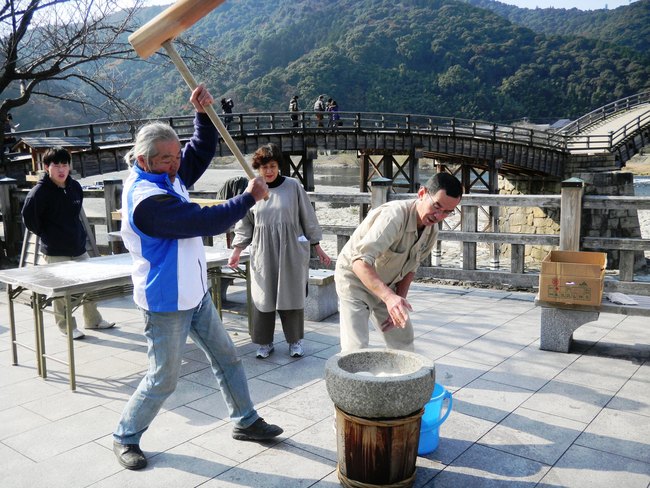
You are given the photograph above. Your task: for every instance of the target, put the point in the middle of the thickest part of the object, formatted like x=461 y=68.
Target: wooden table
x=95 y=279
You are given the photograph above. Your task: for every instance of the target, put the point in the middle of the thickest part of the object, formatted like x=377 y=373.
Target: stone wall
x=611 y=223
x=529 y=220
x=601 y=178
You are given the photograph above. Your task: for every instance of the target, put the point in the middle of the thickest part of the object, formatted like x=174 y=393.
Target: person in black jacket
x=226 y=107
x=51 y=211
x=293 y=108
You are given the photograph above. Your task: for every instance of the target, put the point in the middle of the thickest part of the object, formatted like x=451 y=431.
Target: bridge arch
x=620 y=128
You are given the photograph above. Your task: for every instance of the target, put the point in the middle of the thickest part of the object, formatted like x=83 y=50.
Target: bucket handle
x=448 y=396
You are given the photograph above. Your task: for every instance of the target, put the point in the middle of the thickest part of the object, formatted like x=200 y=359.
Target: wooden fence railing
x=468 y=233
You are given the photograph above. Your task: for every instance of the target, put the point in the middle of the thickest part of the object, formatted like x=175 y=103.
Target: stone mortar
x=370 y=396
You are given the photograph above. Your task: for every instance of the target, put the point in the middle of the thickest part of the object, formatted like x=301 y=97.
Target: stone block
x=558 y=325
x=374 y=383
x=321 y=301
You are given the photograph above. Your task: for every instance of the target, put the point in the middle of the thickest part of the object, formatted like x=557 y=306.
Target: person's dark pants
x=263 y=325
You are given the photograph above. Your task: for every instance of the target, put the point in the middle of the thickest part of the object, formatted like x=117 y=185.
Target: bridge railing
x=622 y=134
x=247 y=124
x=107 y=134
x=370 y=122
x=605 y=111
x=608 y=142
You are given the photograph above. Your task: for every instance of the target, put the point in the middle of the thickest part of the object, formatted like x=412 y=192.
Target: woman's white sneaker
x=264 y=351
x=296 y=350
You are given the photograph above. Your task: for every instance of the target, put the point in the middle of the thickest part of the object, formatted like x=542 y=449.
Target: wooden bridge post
x=466 y=177
x=379 y=188
x=571 y=214
x=495 y=248
x=112 y=201
x=310 y=154
x=469 y=223
x=10 y=226
x=387 y=162
x=414 y=169
x=364 y=168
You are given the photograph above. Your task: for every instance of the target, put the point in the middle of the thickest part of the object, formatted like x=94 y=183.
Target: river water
x=348 y=178
x=327 y=178
x=642 y=186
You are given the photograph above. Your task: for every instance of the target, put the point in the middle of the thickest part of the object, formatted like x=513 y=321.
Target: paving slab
x=569 y=400
x=482 y=466
x=522 y=417
x=623 y=433
x=582 y=466
x=534 y=435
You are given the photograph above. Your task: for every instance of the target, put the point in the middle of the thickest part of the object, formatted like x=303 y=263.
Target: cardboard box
x=573 y=277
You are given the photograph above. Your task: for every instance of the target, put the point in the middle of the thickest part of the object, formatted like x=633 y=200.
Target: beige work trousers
x=354 y=314
x=91 y=315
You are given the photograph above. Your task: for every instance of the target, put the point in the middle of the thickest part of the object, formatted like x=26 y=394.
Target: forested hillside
x=439 y=57
x=627 y=26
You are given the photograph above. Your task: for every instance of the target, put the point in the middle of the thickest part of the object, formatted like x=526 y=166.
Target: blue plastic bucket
x=431 y=420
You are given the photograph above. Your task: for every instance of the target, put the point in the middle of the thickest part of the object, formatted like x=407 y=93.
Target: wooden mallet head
x=169 y=23
x=160 y=31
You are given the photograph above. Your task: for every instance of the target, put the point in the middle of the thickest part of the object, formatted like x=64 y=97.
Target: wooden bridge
x=620 y=128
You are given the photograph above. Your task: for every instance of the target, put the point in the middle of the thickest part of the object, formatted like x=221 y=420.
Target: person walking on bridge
x=293 y=108
x=319 y=108
x=226 y=107
x=333 y=109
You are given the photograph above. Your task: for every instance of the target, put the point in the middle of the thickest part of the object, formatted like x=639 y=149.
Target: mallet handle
x=209 y=109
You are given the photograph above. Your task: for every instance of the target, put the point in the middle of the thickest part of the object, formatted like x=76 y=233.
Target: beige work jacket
x=388 y=240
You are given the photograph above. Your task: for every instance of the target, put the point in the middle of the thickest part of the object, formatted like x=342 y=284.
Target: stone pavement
x=522 y=417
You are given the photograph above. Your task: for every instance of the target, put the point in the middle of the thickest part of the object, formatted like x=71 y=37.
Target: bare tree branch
x=47 y=42
x=72 y=51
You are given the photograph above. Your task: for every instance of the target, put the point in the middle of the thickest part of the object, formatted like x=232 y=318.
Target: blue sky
x=580 y=4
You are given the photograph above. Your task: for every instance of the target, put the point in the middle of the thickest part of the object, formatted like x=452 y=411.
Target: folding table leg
x=12 y=327
x=37 y=302
x=216 y=294
x=68 y=324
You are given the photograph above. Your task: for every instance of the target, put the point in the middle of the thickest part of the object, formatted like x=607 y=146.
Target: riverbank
x=225 y=168
x=639 y=165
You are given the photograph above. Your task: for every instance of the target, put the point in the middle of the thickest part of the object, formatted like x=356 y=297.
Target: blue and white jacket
x=162 y=229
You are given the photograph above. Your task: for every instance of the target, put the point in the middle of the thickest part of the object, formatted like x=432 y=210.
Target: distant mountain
x=627 y=26
x=468 y=59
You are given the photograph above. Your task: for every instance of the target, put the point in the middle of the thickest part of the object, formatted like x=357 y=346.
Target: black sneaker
x=129 y=455
x=258 y=431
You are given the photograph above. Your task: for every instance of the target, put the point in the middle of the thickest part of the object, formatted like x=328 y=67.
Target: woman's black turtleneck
x=276 y=182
